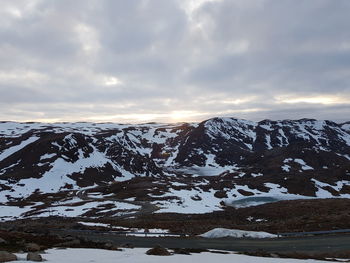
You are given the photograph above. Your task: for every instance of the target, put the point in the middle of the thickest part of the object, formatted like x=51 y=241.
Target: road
x=320 y=244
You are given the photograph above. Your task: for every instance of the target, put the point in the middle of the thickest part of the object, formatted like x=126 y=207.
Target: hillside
x=106 y=169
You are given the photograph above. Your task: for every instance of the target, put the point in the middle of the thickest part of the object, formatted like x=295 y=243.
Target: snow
x=47 y=156
x=151 y=230
x=304 y=166
x=138 y=255
x=266 y=127
x=209 y=170
x=283 y=136
x=305 y=134
x=285 y=167
x=178 y=184
x=268 y=142
x=244 y=132
x=345 y=137
x=75 y=211
x=224 y=232
x=8 y=152
x=96 y=159
x=56 y=177
x=211 y=167
x=198 y=202
x=15 y=129
x=70 y=208
x=98 y=195
x=185 y=204
x=322 y=193
x=301 y=162
x=141 y=230
x=276 y=189
x=227 y=128
x=94 y=224
x=11 y=212
x=346 y=127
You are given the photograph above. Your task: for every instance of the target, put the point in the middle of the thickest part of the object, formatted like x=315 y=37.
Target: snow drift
x=224 y=232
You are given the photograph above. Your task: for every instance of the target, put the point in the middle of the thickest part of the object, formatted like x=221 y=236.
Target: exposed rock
x=115 y=248
x=158 y=251
x=32 y=247
x=127 y=245
x=6 y=256
x=72 y=243
x=107 y=245
x=111 y=246
x=34 y=256
x=181 y=251
x=220 y=194
x=274 y=255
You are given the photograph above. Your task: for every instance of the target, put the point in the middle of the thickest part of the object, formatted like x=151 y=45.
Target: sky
x=174 y=60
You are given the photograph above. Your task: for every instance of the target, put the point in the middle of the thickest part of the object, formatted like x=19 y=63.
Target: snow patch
x=223 y=232
x=304 y=166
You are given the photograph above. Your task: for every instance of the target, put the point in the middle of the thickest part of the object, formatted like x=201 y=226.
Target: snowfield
x=138 y=255
x=224 y=232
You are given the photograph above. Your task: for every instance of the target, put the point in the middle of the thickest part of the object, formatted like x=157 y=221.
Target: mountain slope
x=183 y=167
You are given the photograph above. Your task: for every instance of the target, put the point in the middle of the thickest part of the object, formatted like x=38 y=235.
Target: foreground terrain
x=139 y=255
x=318 y=247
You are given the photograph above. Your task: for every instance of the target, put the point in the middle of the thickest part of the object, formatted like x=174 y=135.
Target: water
x=253 y=201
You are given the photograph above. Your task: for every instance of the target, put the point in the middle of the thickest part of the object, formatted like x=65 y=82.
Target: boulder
x=34 y=256
x=158 y=251
x=32 y=247
x=6 y=256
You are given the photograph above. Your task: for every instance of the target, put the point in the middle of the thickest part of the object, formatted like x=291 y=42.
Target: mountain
x=92 y=169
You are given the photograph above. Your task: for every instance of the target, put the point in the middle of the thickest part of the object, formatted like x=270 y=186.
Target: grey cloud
x=289 y=40
x=169 y=61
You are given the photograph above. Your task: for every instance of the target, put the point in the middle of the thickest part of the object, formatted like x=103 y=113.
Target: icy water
x=252 y=201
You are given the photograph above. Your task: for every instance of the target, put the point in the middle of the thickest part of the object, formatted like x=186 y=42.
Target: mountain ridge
x=218 y=161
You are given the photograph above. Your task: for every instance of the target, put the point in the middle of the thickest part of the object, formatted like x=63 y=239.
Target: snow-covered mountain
x=185 y=167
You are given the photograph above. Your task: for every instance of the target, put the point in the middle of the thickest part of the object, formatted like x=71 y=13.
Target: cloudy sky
x=174 y=60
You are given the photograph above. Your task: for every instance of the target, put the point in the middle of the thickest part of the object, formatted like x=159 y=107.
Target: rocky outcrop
x=158 y=251
x=6 y=256
x=34 y=256
x=32 y=247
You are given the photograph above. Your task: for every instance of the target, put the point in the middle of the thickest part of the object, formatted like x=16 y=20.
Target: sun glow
x=112 y=81
x=179 y=116
x=313 y=100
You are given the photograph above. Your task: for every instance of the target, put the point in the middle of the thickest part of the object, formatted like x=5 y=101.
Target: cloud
x=174 y=60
